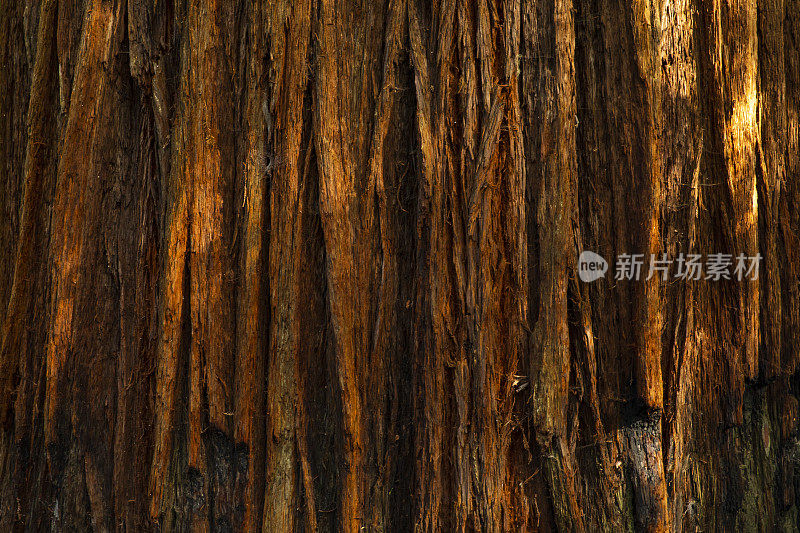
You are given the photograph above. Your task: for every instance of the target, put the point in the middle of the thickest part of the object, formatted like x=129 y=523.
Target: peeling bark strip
x=310 y=265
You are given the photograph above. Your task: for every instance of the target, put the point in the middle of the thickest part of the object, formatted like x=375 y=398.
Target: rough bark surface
x=312 y=265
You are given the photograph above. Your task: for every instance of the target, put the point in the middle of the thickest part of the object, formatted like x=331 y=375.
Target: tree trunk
x=313 y=265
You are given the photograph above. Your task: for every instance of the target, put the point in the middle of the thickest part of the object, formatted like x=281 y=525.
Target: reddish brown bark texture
x=311 y=265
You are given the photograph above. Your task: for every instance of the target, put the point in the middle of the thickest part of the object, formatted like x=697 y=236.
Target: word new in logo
x=591 y=266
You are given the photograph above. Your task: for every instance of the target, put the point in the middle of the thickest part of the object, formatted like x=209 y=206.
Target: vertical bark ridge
x=471 y=154
x=137 y=270
x=80 y=461
x=380 y=357
x=252 y=312
x=428 y=386
x=549 y=85
x=726 y=326
x=23 y=360
x=770 y=174
x=288 y=135
x=682 y=144
x=15 y=90
x=28 y=257
x=551 y=171
x=729 y=79
x=351 y=93
x=173 y=320
x=210 y=69
x=790 y=192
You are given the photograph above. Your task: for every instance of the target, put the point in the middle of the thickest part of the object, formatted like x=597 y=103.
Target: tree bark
x=313 y=265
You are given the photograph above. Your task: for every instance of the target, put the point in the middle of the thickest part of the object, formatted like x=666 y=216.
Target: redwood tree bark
x=312 y=265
